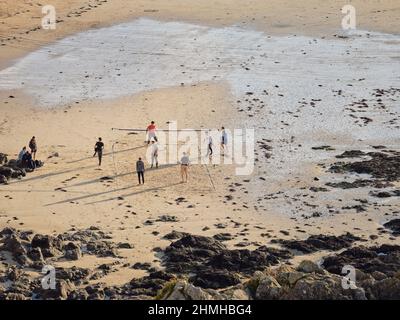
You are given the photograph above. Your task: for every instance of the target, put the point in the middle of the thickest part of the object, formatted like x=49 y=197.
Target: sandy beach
x=310 y=90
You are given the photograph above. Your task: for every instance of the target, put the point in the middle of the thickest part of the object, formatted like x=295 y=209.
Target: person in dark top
x=98 y=149
x=27 y=161
x=140 y=170
x=33 y=147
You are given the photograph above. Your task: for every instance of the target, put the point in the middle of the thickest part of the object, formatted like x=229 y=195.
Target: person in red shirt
x=151 y=132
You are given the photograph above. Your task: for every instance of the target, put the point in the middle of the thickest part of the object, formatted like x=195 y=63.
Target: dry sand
x=120 y=205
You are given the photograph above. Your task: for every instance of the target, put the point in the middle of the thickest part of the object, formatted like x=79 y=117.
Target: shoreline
x=318 y=22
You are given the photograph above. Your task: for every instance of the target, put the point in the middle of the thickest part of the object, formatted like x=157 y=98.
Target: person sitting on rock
x=21 y=155
x=28 y=161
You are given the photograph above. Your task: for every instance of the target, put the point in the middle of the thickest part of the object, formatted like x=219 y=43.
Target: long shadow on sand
x=84 y=183
x=135 y=193
x=108 y=153
x=111 y=191
x=52 y=174
x=39 y=191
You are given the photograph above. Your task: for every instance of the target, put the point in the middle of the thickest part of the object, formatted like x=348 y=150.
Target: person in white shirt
x=184 y=167
x=21 y=154
x=154 y=154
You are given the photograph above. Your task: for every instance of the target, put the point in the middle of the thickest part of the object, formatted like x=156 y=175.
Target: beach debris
x=326 y=148
x=167 y=218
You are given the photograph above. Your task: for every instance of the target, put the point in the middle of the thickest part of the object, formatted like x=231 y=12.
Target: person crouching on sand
x=151 y=132
x=184 y=167
x=33 y=147
x=140 y=170
x=98 y=149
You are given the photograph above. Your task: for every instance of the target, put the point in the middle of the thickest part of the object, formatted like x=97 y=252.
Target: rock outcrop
x=320 y=242
x=213 y=264
x=382 y=165
x=197 y=267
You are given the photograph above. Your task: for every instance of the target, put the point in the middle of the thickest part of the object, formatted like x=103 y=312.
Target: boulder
x=384 y=166
x=79 y=294
x=125 y=245
x=386 y=289
x=308 y=266
x=14 y=245
x=46 y=242
x=194 y=254
x=149 y=285
x=102 y=249
x=13 y=163
x=7 y=231
x=316 y=288
x=17 y=173
x=215 y=280
x=36 y=254
x=321 y=242
x=268 y=289
x=237 y=293
x=6 y=172
x=384 y=258
x=72 y=251
x=186 y=291
x=15 y=296
x=63 y=289
x=96 y=292
x=74 y=274
x=49 y=245
x=394 y=226
x=13 y=273
x=3 y=179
